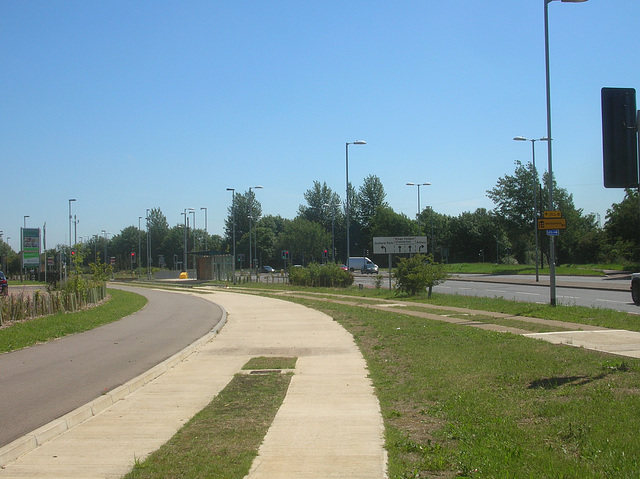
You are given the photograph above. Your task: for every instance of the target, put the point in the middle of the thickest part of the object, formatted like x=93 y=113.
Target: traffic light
x=285 y=254
x=325 y=253
x=619 y=137
x=133 y=257
x=73 y=253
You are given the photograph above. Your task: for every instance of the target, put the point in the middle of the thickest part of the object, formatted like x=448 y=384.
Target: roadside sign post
x=552 y=224
x=399 y=244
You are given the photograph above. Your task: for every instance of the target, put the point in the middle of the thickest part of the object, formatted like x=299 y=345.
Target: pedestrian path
x=329 y=424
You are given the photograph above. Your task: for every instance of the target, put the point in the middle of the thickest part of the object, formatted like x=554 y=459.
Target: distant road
x=46 y=381
x=594 y=292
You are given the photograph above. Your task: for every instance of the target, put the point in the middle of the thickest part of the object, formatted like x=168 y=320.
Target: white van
x=362 y=264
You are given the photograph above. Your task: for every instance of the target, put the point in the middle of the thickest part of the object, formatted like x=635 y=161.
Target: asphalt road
x=46 y=381
x=595 y=292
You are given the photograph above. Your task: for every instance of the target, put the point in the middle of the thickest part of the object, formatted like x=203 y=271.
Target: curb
x=55 y=428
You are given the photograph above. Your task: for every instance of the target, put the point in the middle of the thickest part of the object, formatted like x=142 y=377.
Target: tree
x=246 y=205
x=371 y=197
x=477 y=236
x=514 y=199
x=122 y=245
x=437 y=227
x=322 y=203
x=579 y=242
x=305 y=241
x=622 y=226
x=363 y=207
x=157 y=228
x=173 y=247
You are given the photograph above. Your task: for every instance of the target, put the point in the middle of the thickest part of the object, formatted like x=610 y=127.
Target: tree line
x=503 y=235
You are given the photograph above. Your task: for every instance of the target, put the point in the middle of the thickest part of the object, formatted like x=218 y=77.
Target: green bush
x=326 y=275
x=418 y=273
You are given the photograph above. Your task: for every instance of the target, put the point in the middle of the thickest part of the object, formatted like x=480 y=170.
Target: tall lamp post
x=250 y=218
x=357 y=142
x=70 y=220
x=418 y=215
x=193 y=230
x=205 y=228
x=552 y=246
x=139 y=259
x=535 y=194
x=184 y=243
x=233 y=227
x=148 y=245
x=333 y=231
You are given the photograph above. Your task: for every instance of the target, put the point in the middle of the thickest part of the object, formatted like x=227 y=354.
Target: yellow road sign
x=552 y=214
x=552 y=224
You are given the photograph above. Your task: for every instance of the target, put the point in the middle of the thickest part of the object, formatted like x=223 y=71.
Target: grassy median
x=463 y=402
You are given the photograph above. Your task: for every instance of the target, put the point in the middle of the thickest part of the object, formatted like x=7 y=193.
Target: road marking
x=496 y=290
x=612 y=301
x=529 y=294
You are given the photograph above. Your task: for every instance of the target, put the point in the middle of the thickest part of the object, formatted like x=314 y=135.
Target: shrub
x=328 y=275
x=419 y=272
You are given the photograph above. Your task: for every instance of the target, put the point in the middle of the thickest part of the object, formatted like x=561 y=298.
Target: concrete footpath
x=329 y=424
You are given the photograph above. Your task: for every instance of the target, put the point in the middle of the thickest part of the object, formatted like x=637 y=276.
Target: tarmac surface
x=329 y=424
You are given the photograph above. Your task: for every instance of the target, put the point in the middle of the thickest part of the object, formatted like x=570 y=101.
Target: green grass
x=222 y=440
x=264 y=362
x=566 y=269
x=46 y=328
x=456 y=401
x=575 y=314
x=607 y=318
x=462 y=402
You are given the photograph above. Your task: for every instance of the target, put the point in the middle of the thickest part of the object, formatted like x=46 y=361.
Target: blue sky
x=130 y=105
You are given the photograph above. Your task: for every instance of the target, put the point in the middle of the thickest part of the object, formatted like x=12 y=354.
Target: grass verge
x=463 y=402
x=222 y=440
x=563 y=269
x=607 y=318
x=46 y=328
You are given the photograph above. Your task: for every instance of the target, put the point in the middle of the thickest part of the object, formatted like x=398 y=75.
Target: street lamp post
x=233 y=216
x=357 y=142
x=535 y=194
x=418 y=215
x=333 y=234
x=186 y=237
x=193 y=231
x=148 y=245
x=184 y=244
x=139 y=259
x=205 y=228
x=552 y=246
x=70 y=220
x=250 y=218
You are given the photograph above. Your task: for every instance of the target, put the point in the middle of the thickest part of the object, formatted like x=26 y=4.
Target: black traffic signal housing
x=619 y=137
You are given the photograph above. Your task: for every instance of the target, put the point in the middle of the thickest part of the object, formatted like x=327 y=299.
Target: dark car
x=635 y=288
x=267 y=269
x=4 y=285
